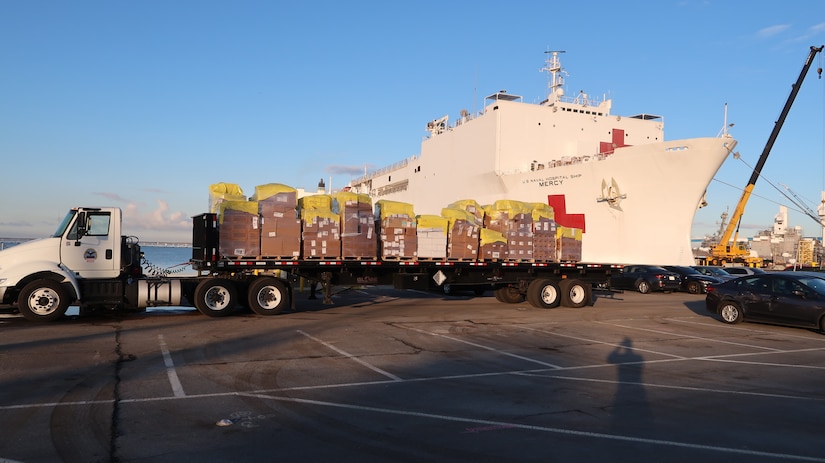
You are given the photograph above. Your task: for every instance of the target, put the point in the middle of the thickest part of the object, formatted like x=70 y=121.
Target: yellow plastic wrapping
x=541 y=210
x=428 y=222
x=565 y=232
x=250 y=207
x=488 y=236
x=348 y=197
x=388 y=208
x=510 y=206
x=323 y=202
x=457 y=214
x=231 y=189
x=309 y=214
x=271 y=189
x=219 y=192
x=469 y=205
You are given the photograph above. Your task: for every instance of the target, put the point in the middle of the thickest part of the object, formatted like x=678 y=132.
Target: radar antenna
x=556 y=79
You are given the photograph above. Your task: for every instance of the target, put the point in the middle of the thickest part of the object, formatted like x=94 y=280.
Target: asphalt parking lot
x=392 y=376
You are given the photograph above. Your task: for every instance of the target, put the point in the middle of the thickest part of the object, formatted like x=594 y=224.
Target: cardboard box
x=239 y=229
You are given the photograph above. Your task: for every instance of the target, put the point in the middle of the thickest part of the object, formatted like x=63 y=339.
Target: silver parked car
x=740 y=271
x=712 y=271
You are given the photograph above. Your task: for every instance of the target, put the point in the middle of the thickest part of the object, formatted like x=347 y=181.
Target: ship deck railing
x=384 y=170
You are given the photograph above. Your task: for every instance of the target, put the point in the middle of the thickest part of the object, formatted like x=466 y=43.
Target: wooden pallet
x=399 y=258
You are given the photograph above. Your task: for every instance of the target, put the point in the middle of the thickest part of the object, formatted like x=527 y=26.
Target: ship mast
x=556 y=79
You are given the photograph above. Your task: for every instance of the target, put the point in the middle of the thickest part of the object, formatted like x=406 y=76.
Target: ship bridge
x=502 y=95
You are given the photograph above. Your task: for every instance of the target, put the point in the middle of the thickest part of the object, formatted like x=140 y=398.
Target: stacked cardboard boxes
x=280 y=225
x=569 y=244
x=544 y=233
x=358 y=237
x=321 y=234
x=514 y=220
x=397 y=230
x=239 y=226
x=462 y=235
x=520 y=237
x=493 y=245
x=431 y=232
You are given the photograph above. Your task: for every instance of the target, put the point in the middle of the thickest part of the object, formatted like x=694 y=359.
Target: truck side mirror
x=82 y=225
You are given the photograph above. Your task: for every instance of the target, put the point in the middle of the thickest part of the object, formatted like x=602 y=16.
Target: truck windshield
x=64 y=223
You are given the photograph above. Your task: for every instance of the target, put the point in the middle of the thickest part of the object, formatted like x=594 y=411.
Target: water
x=167 y=260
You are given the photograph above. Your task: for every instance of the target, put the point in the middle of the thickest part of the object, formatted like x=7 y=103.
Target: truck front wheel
x=268 y=296
x=43 y=301
x=215 y=297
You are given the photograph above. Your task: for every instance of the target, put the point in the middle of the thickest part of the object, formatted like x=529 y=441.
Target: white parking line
x=688 y=336
x=726 y=326
x=595 y=341
x=177 y=387
x=647 y=385
x=481 y=346
x=546 y=429
x=711 y=358
x=725 y=359
x=351 y=357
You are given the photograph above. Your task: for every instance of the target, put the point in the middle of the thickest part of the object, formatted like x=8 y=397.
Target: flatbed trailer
x=88 y=263
x=269 y=283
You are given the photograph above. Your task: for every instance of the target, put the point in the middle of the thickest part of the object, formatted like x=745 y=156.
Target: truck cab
x=86 y=260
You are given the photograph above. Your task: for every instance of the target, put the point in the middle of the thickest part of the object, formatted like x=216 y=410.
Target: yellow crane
x=726 y=251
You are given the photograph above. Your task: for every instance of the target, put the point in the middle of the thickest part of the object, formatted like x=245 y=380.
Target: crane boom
x=724 y=251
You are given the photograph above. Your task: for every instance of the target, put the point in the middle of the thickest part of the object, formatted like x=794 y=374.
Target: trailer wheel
x=509 y=295
x=215 y=297
x=43 y=301
x=575 y=293
x=268 y=296
x=543 y=293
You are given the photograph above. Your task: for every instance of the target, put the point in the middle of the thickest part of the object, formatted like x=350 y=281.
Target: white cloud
x=772 y=30
x=159 y=224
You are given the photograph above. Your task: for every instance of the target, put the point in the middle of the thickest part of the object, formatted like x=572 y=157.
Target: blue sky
x=144 y=104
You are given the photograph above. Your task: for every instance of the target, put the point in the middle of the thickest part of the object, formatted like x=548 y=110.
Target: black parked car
x=646 y=278
x=717 y=272
x=783 y=298
x=693 y=281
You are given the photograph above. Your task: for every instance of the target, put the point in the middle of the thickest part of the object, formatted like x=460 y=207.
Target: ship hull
x=635 y=205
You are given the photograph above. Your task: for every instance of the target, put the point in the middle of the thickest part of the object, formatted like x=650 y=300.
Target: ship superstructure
x=632 y=194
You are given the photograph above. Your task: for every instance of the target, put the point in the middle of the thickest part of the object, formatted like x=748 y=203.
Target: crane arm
x=721 y=247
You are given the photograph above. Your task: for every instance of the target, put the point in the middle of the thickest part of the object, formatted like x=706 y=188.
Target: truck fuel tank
x=157 y=292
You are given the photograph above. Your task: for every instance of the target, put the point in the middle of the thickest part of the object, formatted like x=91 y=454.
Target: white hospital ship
x=633 y=194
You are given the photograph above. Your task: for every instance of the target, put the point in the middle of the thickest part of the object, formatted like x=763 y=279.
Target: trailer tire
x=268 y=296
x=509 y=295
x=43 y=301
x=575 y=293
x=216 y=297
x=543 y=293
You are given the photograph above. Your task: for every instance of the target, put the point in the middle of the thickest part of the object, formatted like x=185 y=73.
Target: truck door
x=93 y=254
